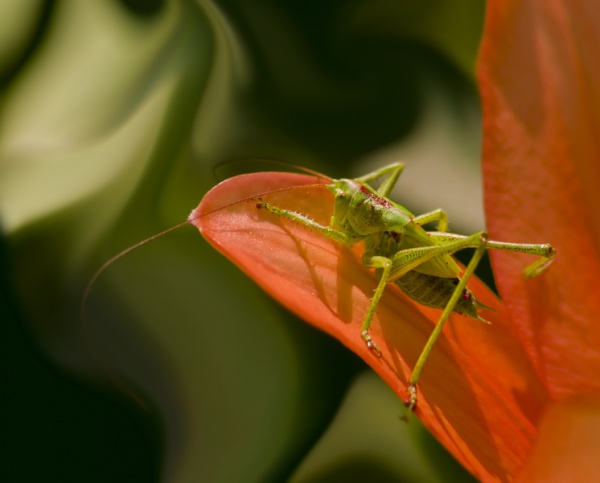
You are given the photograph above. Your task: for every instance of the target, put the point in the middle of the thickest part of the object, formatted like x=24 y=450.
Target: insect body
x=403 y=252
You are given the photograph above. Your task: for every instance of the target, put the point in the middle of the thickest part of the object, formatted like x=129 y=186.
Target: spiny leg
x=458 y=292
x=453 y=242
x=326 y=231
x=545 y=251
x=401 y=263
x=385 y=264
x=410 y=258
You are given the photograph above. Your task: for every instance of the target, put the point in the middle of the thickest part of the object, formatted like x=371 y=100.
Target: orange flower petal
x=538 y=75
x=567 y=447
x=478 y=393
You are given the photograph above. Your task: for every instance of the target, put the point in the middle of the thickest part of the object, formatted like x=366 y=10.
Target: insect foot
x=547 y=253
x=411 y=401
x=370 y=344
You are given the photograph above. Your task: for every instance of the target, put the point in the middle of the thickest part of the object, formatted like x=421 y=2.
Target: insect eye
x=466 y=295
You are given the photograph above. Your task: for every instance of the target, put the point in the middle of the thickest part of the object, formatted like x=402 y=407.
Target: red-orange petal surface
x=567 y=447
x=539 y=77
x=478 y=393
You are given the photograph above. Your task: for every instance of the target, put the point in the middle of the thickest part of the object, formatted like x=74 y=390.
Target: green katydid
x=402 y=251
x=396 y=245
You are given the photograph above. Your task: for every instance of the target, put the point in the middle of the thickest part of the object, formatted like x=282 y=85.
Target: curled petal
x=478 y=393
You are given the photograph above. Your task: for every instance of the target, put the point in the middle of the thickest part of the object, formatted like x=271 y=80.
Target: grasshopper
x=402 y=252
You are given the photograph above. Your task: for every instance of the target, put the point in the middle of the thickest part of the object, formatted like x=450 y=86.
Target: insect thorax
x=382 y=243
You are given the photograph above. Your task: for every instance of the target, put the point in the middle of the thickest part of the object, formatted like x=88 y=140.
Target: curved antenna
x=82 y=317
x=126 y=251
x=270 y=161
x=118 y=256
x=90 y=285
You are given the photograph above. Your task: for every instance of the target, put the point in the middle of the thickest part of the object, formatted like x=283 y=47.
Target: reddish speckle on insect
x=374 y=199
x=382 y=201
x=364 y=190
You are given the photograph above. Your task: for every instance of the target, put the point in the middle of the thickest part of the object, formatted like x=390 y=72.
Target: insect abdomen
x=435 y=292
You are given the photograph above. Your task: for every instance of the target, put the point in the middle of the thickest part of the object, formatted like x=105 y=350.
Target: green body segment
x=435 y=292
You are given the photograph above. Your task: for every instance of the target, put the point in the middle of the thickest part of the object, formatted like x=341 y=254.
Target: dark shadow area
x=56 y=429
x=143 y=8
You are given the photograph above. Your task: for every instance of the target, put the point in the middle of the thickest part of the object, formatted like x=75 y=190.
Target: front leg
x=398 y=265
x=385 y=264
x=326 y=231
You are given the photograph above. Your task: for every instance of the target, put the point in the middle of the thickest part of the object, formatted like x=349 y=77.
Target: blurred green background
x=113 y=115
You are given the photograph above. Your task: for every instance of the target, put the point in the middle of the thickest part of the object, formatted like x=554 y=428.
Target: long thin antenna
x=301 y=169
x=88 y=289
x=118 y=256
x=128 y=250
